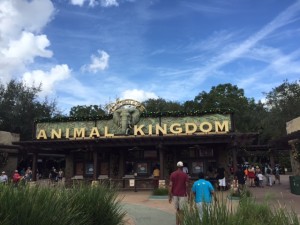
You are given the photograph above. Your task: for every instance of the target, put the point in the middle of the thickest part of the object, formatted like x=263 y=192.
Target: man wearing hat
x=178 y=190
x=3 y=178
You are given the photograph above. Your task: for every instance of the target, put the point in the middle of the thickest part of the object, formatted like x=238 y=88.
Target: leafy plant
x=83 y=205
x=248 y=212
x=160 y=191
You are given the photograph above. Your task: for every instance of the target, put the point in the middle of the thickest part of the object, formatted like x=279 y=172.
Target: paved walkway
x=141 y=210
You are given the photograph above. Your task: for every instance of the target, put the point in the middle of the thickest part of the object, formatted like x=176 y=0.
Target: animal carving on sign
x=125 y=119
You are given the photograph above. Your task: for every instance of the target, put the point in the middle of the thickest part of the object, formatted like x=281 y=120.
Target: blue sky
x=94 y=51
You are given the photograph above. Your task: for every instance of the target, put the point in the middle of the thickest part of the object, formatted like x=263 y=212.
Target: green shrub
x=160 y=191
x=58 y=206
x=248 y=212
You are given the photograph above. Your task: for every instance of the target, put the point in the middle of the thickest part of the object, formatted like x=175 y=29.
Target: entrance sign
x=133 y=122
x=120 y=103
x=138 y=130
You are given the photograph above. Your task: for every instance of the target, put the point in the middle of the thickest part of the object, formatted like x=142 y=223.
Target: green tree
x=191 y=105
x=161 y=105
x=253 y=116
x=228 y=96
x=19 y=107
x=86 y=111
x=283 y=104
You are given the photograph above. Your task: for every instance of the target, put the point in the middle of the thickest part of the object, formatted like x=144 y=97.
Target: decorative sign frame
x=142 y=168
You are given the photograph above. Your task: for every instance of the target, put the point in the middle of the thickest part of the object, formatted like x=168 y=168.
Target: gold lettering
x=79 y=132
x=176 y=128
x=67 y=132
x=94 y=132
x=106 y=132
x=42 y=134
x=150 y=131
x=55 y=134
x=223 y=127
x=138 y=129
x=188 y=130
x=163 y=129
x=208 y=129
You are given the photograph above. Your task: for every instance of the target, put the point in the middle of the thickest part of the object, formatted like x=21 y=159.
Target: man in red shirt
x=178 y=190
x=16 y=178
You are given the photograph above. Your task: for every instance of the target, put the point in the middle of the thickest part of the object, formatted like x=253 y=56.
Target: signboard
x=131 y=182
x=197 y=167
x=162 y=183
x=189 y=125
x=89 y=168
x=142 y=168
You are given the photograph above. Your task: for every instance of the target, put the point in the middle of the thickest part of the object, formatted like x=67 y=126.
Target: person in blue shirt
x=204 y=193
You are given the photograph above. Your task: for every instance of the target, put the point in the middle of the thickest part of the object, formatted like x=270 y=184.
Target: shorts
x=203 y=207
x=222 y=182
x=179 y=202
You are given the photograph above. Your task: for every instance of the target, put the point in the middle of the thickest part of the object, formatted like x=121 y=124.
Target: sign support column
x=95 y=165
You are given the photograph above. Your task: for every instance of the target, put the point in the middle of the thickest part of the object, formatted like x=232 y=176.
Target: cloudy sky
x=94 y=51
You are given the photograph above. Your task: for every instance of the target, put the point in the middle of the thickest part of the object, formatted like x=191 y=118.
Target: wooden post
x=121 y=163
x=234 y=159
x=69 y=169
x=34 y=165
x=95 y=165
x=161 y=162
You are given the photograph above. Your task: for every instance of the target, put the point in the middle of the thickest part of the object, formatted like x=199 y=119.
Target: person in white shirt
x=260 y=179
x=3 y=178
x=185 y=169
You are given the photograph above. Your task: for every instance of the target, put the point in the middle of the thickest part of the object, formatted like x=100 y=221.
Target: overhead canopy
x=63 y=145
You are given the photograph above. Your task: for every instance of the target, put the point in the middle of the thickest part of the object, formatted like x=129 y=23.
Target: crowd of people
x=250 y=175
x=24 y=176
x=204 y=188
x=256 y=176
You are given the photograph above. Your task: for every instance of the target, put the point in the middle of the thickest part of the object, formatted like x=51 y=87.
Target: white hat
x=180 y=164
x=16 y=171
x=3 y=171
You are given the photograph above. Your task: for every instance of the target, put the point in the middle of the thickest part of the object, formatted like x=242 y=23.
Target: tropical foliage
x=247 y=212
x=160 y=191
x=82 y=205
x=282 y=104
x=87 y=111
x=19 y=106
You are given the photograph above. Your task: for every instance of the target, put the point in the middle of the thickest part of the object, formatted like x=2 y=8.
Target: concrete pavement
x=142 y=210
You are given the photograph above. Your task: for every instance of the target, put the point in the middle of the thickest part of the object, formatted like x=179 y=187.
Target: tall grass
x=248 y=212
x=82 y=205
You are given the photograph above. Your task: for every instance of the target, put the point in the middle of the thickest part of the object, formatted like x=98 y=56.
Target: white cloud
x=287 y=64
x=17 y=16
x=78 y=2
x=109 y=3
x=92 y=3
x=20 y=38
x=27 y=47
x=98 y=63
x=47 y=79
x=226 y=57
x=139 y=95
